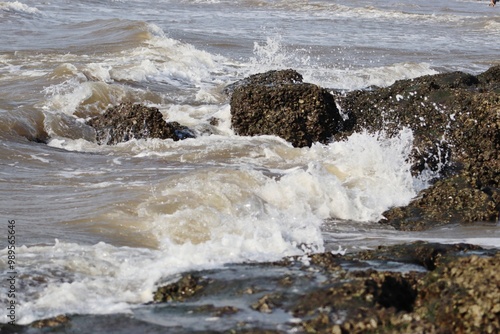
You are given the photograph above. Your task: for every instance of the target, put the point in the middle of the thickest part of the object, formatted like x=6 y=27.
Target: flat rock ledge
x=128 y=121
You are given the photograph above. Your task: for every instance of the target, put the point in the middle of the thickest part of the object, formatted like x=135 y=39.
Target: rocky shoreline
x=454 y=117
x=410 y=288
x=459 y=293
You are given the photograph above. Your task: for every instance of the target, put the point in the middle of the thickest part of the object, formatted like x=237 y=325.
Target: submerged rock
x=128 y=121
x=279 y=103
x=455 y=118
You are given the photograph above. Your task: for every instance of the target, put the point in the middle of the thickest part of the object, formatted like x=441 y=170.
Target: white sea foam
x=115 y=279
x=356 y=179
x=17 y=6
x=492 y=26
x=261 y=200
x=273 y=55
x=220 y=198
x=166 y=59
x=381 y=76
x=107 y=278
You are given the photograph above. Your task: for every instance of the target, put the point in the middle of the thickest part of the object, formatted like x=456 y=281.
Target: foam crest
x=165 y=62
x=224 y=204
x=109 y=279
x=492 y=26
x=168 y=60
x=18 y=7
x=356 y=179
x=273 y=55
x=381 y=76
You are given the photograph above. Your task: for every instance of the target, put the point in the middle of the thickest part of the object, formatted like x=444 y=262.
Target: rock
x=186 y=287
x=278 y=103
x=458 y=293
x=455 y=118
x=57 y=321
x=450 y=200
x=128 y=121
x=267 y=78
x=217 y=311
x=427 y=255
x=268 y=302
x=463 y=296
x=489 y=80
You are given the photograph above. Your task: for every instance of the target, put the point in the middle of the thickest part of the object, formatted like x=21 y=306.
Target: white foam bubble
x=19 y=7
x=77 y=145
x=100 y=279
x=167 y=60
x=273 y=55
x=381 y=76
x=67 y=96
x=356 y=179
x=492 y=26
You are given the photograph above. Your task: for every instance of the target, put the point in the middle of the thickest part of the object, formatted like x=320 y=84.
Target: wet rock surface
x=446 y=289
x=455 y=118
x=128 y=121
x=188 y=286
x=321 y=294
x=289 y=76
x=279 y=103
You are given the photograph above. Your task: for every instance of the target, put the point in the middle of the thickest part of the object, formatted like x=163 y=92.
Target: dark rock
x=458 y=294
x=427 y=255
x=396 y=292
x=267 y=78
x=268 y=302
x=128 y=121
x=490 y=80
x=449 y=200
x=455 y=119
x=463 y=295
x=217 y=311
x=280 y=104
x=57 y=321
x=187 y=287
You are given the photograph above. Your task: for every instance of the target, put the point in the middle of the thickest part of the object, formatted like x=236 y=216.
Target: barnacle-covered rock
x=186 y=287
x=455 y=119
x=280 y=104
x=128 y=121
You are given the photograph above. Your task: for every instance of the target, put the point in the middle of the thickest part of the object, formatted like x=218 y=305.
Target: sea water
x=98 y=228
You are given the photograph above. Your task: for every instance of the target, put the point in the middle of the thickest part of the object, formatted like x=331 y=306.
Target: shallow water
x=106 y=224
